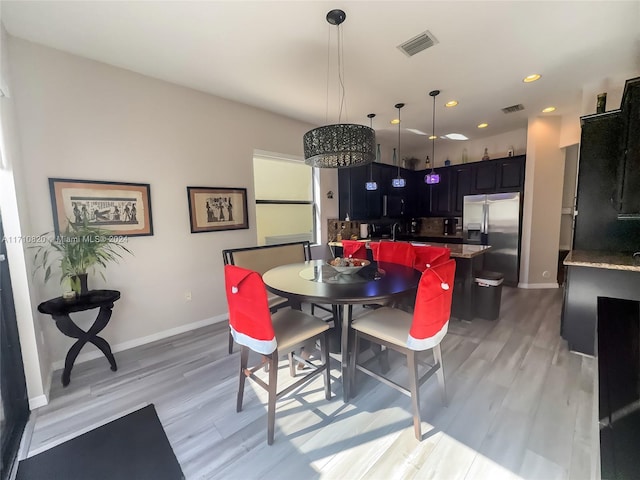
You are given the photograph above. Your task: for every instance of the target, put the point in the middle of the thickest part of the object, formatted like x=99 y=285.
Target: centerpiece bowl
x=348 y=266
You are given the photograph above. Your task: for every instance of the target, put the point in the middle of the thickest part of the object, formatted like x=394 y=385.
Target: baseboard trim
x=538 y=285
x=85 y=357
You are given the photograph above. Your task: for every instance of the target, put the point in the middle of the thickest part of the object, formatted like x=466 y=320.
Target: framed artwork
x=213 y=209
x=122 y=208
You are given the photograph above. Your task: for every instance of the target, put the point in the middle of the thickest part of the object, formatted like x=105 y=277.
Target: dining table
x=315 y=281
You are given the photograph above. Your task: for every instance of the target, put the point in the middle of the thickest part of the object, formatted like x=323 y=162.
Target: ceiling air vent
x=513 y=108
x=418 y=43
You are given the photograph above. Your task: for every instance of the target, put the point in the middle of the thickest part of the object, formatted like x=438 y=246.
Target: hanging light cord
x=433 y=135
x=343 y=100
x=371 y=115
x=434 y=94
x=399 y=157
x=326 y=107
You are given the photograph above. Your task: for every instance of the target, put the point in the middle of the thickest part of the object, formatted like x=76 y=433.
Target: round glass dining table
x=315 y=281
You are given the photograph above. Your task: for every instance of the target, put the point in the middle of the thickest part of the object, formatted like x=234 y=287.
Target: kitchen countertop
x=599 y=259
x=458 y=250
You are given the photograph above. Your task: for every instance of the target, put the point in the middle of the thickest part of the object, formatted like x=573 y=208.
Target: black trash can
x=488 y=293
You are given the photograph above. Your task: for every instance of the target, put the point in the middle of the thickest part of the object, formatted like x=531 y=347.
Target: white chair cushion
x=293 y=327
x=389 y=324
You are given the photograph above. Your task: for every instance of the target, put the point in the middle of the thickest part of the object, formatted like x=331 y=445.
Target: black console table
x=60 y=308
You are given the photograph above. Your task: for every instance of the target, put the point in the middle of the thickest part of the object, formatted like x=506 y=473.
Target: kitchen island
x=469 y=262
x=592 y=275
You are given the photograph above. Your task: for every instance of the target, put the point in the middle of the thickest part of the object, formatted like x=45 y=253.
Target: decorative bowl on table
x=348 y=265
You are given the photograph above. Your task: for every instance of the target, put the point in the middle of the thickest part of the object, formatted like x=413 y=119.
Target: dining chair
x=396 y=252
x=265 y=257
x=428 y=255
x=410 y=334
x=255 y=328
x=354 y=249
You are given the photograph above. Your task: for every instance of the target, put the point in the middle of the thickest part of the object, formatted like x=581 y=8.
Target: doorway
x=14 y=405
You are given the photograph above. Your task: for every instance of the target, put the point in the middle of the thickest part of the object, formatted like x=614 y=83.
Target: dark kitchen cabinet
x=441 y=194
x=602 y=150
x=511 y=174
x=417 y=199
x=386 y=201
x=628 y=179
x=497 y=176
x=485 y=177
x=460 y=186
x=354 y=198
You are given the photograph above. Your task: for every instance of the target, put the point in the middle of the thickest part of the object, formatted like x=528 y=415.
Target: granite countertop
x=600 y=259
x=458 y=250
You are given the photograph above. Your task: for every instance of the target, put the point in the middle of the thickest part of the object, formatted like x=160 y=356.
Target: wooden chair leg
x=413 y=387
x=437 y=355
x=353 y=361
x=324 y=356
x=292 y=365
x=273 y=386
x=244 y=359
x=230 y=343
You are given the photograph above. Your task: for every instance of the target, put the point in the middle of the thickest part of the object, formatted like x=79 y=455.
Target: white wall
x=544 y=179
x=83 y=119
x=16 y=223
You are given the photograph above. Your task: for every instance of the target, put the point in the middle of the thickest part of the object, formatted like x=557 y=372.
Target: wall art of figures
x=213 y=209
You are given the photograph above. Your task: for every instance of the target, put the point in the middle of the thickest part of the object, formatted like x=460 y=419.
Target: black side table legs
x=60 y=309
x=70 y=329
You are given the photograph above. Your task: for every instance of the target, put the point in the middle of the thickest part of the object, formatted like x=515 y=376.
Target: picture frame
x=120 y=207
x=214 y=209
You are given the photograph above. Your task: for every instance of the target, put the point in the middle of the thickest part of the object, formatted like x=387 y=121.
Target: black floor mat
x=132 y=447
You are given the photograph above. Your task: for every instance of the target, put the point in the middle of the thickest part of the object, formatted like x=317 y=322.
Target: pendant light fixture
x=341 y=145
x=398 y=182
x=432 y=177
x=371 y=185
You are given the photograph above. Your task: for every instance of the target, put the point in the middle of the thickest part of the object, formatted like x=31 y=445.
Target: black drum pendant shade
x=341 y=145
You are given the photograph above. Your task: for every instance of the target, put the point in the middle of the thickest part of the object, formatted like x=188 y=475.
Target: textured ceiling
x=274 y=55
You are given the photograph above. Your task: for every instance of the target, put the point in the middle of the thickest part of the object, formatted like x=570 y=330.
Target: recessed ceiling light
x=451 y=103
x=395 y=121
x=432 y=137
x=531 y=78
x=483 y=125
x=456 y=136
x=548 y=109
x=417 y=132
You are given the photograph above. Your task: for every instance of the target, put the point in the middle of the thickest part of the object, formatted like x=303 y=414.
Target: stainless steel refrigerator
x=495 y=220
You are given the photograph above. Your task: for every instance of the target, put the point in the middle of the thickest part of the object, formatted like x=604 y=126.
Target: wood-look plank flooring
x=520 y=407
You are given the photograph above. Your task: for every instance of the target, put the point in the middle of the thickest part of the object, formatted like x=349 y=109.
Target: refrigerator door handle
x=485 y=219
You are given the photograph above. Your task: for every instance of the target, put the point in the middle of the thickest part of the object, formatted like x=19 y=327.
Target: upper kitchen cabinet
x=386 y=201
x=628 y=179
x=354 y=198
x=500 y=175
x=608 y=193
x=441 y=194
x=461 y=178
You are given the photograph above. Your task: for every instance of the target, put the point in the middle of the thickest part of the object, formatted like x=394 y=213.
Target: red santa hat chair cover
x=354 y=249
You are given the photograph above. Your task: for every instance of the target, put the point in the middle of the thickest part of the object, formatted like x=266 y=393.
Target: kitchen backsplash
x=346 y=229
x=425 y=227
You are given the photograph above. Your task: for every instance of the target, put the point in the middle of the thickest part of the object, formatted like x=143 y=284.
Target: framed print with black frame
x=120 y=207
x=213 y=209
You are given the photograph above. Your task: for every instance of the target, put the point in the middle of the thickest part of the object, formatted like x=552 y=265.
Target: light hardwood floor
x=520 y=406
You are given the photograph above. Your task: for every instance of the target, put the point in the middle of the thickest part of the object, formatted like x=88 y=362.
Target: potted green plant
x=80 y=248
